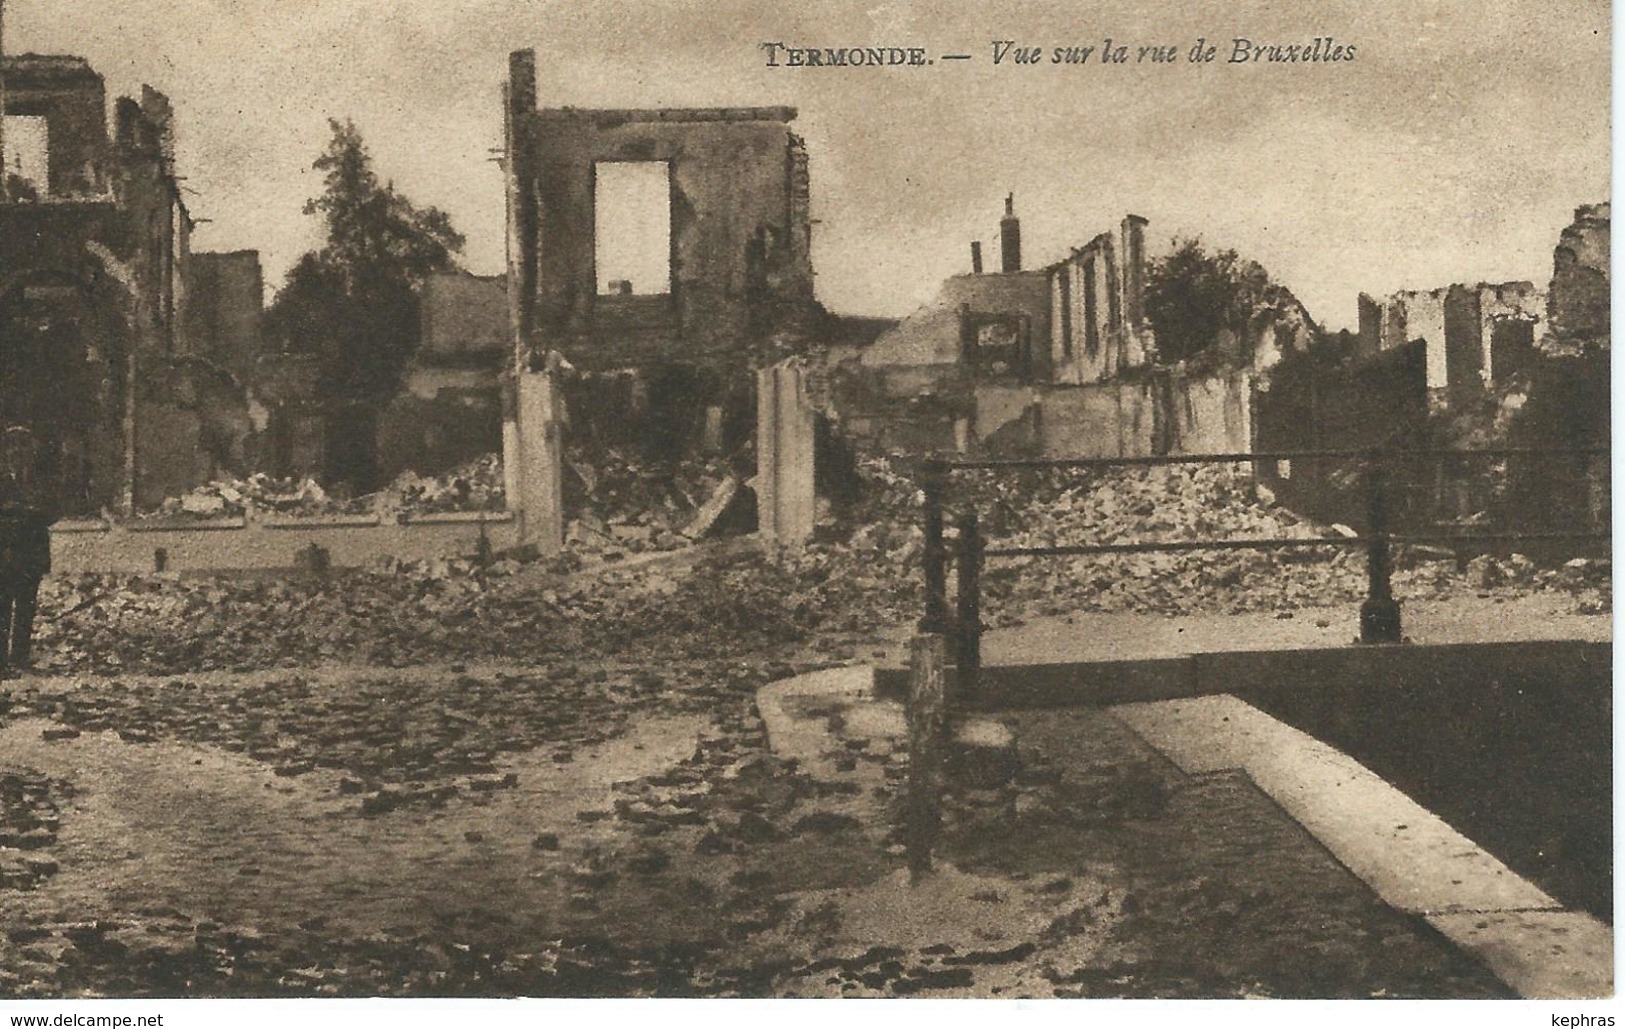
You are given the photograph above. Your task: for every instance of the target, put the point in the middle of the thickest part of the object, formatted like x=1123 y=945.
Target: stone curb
x=1406 y=854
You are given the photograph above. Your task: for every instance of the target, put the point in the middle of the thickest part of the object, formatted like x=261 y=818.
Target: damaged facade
x=739 y=264
x=1059 y=361
x=448 y=410
x=660 y=336
x=1578 y=300
x=1474 y=335
x=1098 y=308
x=1464 y=366
x=105 y=376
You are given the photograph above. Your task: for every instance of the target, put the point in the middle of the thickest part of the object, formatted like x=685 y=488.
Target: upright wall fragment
x=1097 y=300
x=541 y=458
x=786 y=500
x=98 y=358
x=1579 y=291
x=740 y=243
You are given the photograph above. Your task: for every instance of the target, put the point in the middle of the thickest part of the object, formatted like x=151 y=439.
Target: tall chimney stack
x=976 y=257
x=522 y=81
x=1010 y=235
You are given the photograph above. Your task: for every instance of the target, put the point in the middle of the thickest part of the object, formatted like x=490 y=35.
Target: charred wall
x=1098 y=307
x=96 y=262
x=740 y=238
x=1579 y=290
x=72 y=99
x=449 y=408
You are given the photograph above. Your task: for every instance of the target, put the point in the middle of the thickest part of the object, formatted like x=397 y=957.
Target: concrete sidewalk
x=1408 y=856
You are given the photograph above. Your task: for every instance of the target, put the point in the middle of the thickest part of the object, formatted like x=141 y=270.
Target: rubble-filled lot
x=456 y=779
x=475 y=486
x=845 y=585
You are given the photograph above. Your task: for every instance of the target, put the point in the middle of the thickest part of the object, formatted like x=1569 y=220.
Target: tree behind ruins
x=353 y=304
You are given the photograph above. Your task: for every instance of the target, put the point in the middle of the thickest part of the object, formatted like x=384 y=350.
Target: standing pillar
x=519 y=102
x=541 y=458
x=785 y=449
x=511 y=456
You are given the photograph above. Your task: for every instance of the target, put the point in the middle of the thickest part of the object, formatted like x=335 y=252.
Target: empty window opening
x=27 y=151
x=997 y=346
x=1512 y=346
x=632 y=227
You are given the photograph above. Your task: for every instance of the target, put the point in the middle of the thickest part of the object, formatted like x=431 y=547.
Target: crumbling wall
x=64 y=373
x=998 y=407
x=1566 y=397
x=104 y=251
x=1210 y=414
x=1272 y=335
x=1463 y=342
x=1369 y=334
x=1395 y=320
x=1165 y=412
x=741 y=263
x=1420 y=314
x=1097 y=301
x=1459 y=324
x=1098 y=420
x=1579 y=296
x=1512 y=315
x=72 y=99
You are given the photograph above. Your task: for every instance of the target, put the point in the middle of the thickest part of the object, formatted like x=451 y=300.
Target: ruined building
x=656 y=257
x=1465 y=367
x=1474 y=335
x=1097 y=298
x=1059 y=361
x=653 y=235
x=100 y=379
x=448 y=410
x=1577 y=311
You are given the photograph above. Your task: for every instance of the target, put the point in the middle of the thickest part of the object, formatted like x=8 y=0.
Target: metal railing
x=1379 y=613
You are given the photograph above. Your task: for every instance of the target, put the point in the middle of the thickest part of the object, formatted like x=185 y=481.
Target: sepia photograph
x=870 y=499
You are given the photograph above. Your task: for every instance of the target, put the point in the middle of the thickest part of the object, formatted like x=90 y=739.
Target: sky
x=1453 y=147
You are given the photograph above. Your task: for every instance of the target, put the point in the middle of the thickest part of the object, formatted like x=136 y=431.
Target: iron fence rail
x=1379 y=613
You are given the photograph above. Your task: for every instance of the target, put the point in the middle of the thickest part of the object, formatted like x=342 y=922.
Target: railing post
x=927 y=724
x=968 y=624
x=935 y=558
x=1379 y=615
